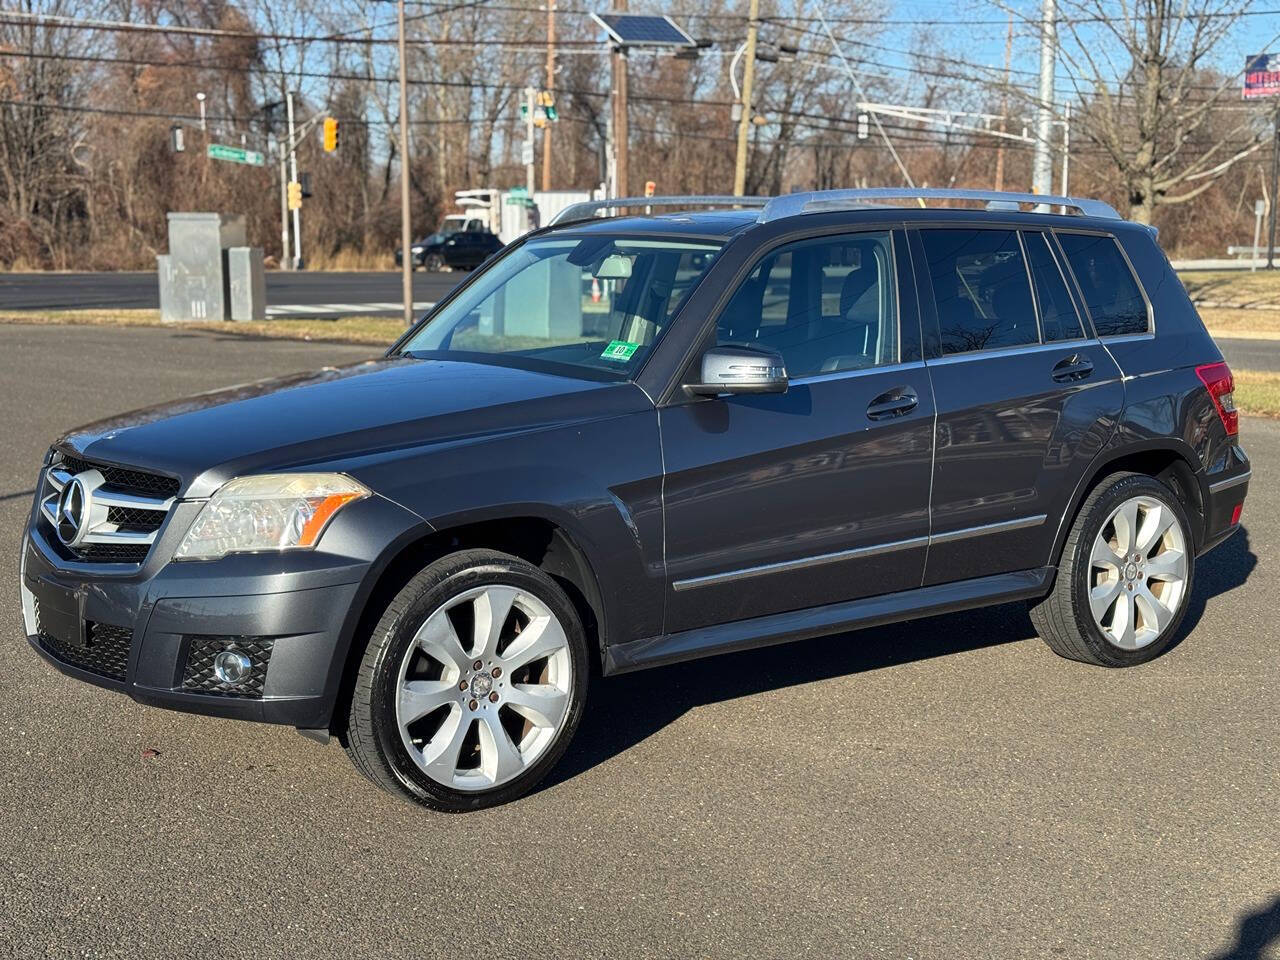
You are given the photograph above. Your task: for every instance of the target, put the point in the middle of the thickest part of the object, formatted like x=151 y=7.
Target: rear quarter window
x=1111 y=293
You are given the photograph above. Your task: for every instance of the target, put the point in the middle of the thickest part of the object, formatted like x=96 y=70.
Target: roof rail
x=591 y=208
x=794 y=204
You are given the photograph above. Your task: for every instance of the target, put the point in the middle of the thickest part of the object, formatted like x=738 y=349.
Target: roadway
x=947 y=788
x=128 y=291
x=337 y=293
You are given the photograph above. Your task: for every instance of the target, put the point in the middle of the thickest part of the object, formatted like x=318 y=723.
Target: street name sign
x=218 y=151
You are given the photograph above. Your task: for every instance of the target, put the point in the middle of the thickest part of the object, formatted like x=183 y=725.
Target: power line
x=565 y=47
x=124 y=26
x=796 y=117
x=210 y=117
x=874 y=21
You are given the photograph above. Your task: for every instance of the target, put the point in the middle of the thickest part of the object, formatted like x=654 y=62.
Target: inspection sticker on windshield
x=619 y=350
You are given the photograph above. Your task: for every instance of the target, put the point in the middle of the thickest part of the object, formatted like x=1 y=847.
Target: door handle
x=893 y=403
x=1072 y=368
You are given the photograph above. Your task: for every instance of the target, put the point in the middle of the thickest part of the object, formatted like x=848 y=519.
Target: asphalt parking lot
x=947 y=788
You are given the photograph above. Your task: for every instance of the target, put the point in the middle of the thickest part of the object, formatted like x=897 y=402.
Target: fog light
x=232 y=666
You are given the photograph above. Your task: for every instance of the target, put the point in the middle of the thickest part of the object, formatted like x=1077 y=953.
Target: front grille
x=131 y=481
x=112 y=552
x=106 y=649
x=199 y=675
x=131 y=518
x=137 y=503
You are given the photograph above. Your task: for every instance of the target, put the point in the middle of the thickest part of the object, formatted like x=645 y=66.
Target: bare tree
x=1151 y=98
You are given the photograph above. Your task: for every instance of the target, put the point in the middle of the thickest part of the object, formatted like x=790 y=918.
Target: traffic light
x=649 y=188
x=330 y=134
x=547 y=100
x=295 y=195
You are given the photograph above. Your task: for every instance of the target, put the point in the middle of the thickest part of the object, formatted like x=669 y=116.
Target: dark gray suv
x=634 y=440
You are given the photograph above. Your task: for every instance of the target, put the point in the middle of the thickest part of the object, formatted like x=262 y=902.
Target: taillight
x=1217 y=379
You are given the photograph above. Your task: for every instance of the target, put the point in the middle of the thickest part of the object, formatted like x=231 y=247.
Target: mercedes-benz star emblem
x=73 y=513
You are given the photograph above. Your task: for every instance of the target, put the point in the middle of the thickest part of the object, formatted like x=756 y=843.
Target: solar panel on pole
x=642 y=30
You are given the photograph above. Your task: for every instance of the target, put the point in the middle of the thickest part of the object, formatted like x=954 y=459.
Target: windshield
x=598 y=303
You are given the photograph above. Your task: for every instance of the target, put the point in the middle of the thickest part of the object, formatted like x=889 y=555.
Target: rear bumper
x=1225 y=501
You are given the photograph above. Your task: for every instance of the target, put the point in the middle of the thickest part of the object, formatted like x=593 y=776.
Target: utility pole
x=530 y=104
x=1042 y=163
x=406 y=238
x=284 y=207
x=1004 y=105
x=1066 y=147
x=1275 y=185
x=744 y=121
x=551 y=86
x=293 y=176
x=620 y=112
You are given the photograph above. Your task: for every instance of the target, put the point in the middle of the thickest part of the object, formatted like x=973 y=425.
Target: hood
x=339 y=412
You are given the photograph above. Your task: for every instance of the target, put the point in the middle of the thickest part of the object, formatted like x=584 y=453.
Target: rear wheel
x=472 y=685
x=1124 y=578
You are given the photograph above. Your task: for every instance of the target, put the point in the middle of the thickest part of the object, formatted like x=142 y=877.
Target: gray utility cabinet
x=196 y=276
x=248 y=283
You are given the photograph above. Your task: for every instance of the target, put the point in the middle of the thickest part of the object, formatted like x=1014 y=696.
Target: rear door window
x=1058 y=317
x=1111 y=293
x=981 y=290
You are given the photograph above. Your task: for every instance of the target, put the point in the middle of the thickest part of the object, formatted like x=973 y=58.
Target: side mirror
x=728 y=369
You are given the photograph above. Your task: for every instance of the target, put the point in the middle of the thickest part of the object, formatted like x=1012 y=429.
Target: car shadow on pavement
x=625 y=710
x=1226 y=567
x=1257 y=931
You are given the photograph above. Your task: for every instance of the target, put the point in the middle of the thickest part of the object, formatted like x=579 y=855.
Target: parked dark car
x=638 y=440
x=468 y=249
x=453 y=249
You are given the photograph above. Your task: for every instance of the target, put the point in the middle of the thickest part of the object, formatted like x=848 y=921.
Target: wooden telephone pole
x=551 y=86
x=620 y=137
x=1004 y=105
x=748 y=80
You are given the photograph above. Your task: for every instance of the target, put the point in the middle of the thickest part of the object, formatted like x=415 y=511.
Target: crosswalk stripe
x=321 y=309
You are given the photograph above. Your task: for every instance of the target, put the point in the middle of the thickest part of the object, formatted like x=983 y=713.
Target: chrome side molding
x=800 y=563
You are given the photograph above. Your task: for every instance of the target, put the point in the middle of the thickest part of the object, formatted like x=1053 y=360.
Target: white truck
x=511 y=213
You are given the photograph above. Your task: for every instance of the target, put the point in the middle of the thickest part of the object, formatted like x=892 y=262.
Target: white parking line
x=341 y=309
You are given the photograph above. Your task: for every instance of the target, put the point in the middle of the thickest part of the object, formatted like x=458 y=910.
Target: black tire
x=373 y=739
x=433 y=263
x=1063 y=618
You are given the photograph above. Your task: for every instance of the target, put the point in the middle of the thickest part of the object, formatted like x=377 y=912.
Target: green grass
x=1229 y=290
x=1257 y=393
x=1239 y=288
x=1242 y=324
x=374 y=330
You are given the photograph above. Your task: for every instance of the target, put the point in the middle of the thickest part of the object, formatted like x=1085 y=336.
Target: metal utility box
x=196 y=269
x=248 y=284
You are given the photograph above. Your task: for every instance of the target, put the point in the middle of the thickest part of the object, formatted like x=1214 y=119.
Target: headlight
x=272 y=511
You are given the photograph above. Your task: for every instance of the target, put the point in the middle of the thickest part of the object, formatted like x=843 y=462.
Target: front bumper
x=151 y=632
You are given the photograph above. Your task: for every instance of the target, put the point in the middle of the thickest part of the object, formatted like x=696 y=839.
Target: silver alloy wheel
x=476 y=713
x=1137 y=572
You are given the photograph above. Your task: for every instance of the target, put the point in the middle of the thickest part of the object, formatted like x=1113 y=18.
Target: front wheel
x=1124 y=578
x=472 y=685
x=433 y=263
